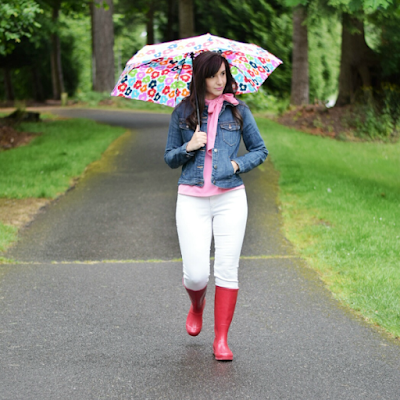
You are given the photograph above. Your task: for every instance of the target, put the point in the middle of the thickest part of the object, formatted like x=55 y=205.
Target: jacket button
x=214 y=181
x=215 y=167
x=215 y=150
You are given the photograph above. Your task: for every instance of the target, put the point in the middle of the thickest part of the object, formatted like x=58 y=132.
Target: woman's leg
x=229 y=225
x=194 y=224
x=230 y=217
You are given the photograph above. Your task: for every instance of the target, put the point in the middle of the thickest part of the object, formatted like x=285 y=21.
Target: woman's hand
x=235 y=166
x=198 y=140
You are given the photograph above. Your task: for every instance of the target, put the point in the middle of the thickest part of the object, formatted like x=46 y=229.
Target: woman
x=211 y=195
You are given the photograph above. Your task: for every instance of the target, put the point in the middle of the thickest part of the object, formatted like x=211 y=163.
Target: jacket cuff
x=240 y=164
x=187 y=153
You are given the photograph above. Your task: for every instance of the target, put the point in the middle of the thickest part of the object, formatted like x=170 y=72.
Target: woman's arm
x=175 y=154
x=257 y=152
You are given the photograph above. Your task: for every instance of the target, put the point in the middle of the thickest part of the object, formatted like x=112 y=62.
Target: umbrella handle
x=195 y=94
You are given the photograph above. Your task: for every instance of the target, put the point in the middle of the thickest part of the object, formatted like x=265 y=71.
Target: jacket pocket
x=223 y=166
x=230 y=132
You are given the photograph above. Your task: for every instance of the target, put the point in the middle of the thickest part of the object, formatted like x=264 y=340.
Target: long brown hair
x=205 y=65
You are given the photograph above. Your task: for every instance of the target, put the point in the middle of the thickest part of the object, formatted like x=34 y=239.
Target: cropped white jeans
x=197 y=220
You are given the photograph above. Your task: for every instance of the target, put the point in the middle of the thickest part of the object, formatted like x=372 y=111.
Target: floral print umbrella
x=161 y=73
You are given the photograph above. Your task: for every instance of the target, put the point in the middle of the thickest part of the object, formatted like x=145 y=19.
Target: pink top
x=208 y=189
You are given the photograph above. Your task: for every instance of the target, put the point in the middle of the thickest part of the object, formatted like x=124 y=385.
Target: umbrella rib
x=185 y=57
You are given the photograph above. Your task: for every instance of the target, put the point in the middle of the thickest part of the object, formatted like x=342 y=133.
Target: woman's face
x=215 y=84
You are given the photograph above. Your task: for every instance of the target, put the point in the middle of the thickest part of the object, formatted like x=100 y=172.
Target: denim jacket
x=226 y=146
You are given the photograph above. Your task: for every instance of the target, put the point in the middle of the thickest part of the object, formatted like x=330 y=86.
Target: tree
x=265 y=23
x=55 y=60
x=102 y=45
x=152 y=13
x=18 y=20
x=308 y=16
x=186 y=19
x=299 y=93
x=150 y=22
x=170 y=33
x=55 y=7
x=389 y=45
x=358 y=62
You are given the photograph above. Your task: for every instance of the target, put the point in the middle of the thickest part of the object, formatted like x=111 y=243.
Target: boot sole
x=223 y=358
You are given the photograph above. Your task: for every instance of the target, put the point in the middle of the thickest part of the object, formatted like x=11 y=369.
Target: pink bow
x=217 y=102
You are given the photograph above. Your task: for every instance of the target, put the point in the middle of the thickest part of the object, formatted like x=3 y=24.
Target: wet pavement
x=97 y=311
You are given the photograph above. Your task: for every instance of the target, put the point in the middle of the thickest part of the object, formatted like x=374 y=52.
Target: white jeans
x=197 y=219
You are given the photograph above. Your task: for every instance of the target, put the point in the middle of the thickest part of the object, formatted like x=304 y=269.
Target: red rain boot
x=225 y=302
x=194 y=320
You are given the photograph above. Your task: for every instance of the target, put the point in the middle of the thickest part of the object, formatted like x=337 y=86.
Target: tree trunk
x=102 y=46
x=186 y=19
x=55 y=57
x=356 y=62
x=8 y=85
x=170 y=21
x=300 y=82
x=37 y=87
x=150 y=24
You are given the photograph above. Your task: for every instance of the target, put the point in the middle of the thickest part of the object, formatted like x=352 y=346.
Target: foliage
x=322 y=183
x=378 y=117
x=389 y=44
x=24 y=60
x=258 y=101
x=131 y=14
x=76 y=27
x=354 y=6
x=17 y=20
x=264 y=102
x=368 y=123
x=390 y=103
x=91 y=98
x=324 y=58
x=265 y=23
x=350 y=6
x=129 y=39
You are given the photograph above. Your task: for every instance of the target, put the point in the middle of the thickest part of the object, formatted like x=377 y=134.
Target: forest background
x=334 y=52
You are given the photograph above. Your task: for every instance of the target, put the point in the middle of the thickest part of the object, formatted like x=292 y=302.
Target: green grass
x=8 y=235
x=341 y=207
x=48 y=165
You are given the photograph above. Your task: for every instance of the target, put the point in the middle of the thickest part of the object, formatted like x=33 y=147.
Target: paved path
x=74 y=328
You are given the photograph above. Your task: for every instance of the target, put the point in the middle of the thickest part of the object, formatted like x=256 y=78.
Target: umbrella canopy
x=161 y=73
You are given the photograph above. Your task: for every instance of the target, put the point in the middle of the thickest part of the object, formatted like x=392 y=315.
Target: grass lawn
x=48 y=165
x=341 y=207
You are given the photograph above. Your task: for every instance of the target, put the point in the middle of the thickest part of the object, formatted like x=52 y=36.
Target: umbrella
x=161 y=73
